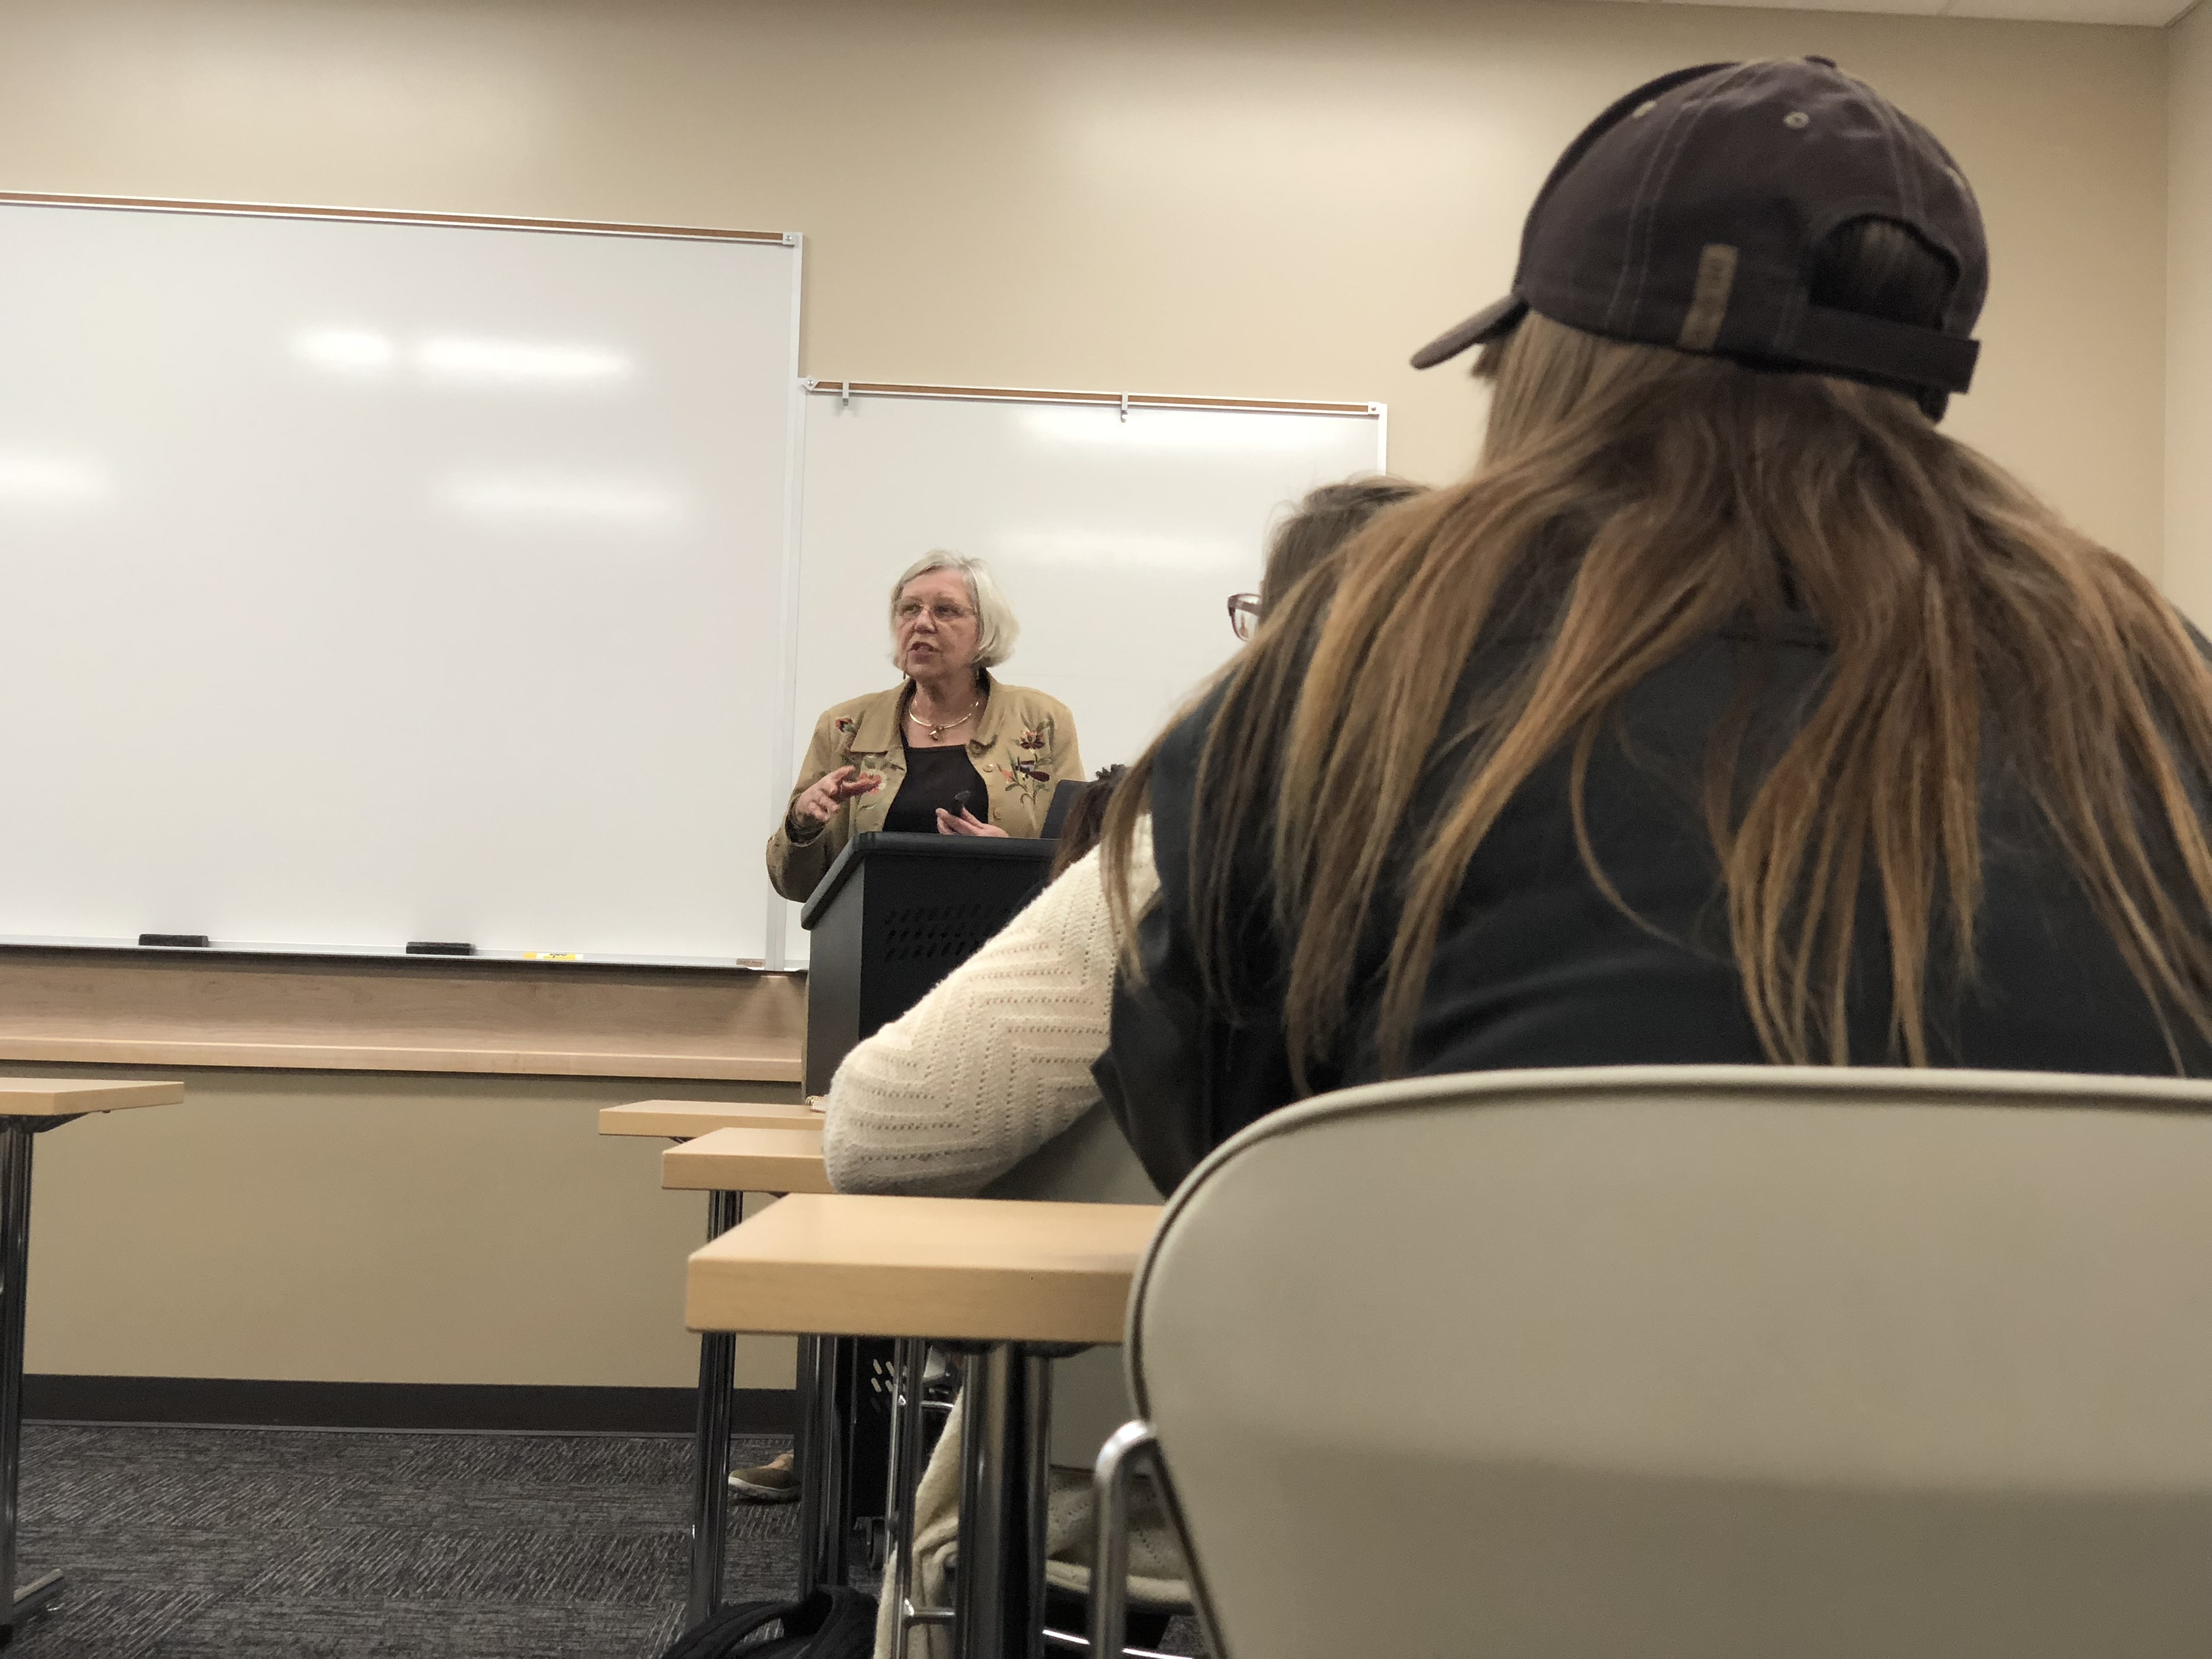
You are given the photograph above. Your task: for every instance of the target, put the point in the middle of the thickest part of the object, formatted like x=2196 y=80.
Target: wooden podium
x=896 y=914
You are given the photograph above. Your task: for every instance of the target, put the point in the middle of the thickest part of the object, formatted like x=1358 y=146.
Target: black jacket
x=1536 y=968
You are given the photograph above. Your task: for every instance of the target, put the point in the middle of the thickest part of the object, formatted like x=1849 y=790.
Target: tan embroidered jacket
x=1024 y=747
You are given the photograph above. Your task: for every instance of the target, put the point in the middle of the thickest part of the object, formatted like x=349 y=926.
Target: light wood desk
x=62 y=1098
x=1011 y=1279
x=684 y=1120
x=28 y=1106
x=978 y=1269
x=747 y=1161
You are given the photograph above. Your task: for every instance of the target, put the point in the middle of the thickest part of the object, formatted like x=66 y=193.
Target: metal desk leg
x=710 y=1484
x=906 y=1477
x=1026 y=1594
x=999 y=1600
x=987 y=1502
x=17 y=1605
x=821 y=1448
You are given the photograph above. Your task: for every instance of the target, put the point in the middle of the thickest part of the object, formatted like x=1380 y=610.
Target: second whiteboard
x=1117 y=536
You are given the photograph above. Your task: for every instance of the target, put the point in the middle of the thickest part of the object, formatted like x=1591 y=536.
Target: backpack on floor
x=830 y=1624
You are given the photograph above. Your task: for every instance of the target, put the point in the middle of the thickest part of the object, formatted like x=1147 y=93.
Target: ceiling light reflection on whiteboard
x=537 y=502
x=472 y=360
x=29 y=479
x=1156 y=431
x=345 y=350
x=1118 y=551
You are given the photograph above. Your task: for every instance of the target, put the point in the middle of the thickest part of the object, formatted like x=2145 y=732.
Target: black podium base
x=896 y=915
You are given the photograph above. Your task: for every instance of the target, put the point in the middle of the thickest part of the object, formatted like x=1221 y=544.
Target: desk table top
x=852 y=1264
x=63 y=1097
x=747 y=1161
x=682 y=1120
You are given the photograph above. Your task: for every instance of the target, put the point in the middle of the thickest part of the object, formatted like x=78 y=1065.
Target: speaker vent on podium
x=925 y=932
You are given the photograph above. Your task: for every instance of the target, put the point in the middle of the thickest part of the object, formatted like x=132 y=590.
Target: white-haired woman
x=950 y=749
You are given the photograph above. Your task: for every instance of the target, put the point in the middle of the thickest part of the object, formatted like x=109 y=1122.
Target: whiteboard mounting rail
x=1124 y=401
x=384 y=216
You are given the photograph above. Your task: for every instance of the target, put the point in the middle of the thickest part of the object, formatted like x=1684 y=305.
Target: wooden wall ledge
x=376 y=1014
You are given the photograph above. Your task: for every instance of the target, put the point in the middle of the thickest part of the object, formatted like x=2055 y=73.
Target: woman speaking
x=951 y=749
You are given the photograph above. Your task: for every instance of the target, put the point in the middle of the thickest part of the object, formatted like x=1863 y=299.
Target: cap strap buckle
x=1709 y=300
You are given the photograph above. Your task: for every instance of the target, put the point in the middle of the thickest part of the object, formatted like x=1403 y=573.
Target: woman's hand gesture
x=818 y=802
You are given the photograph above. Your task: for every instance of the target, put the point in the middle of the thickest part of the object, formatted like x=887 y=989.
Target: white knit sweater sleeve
x=994 y=1061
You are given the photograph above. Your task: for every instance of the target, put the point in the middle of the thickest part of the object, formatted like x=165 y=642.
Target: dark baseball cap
x=1690 y=214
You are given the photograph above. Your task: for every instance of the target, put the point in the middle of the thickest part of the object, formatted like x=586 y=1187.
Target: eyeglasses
x=945 y=610
x=1243 y=613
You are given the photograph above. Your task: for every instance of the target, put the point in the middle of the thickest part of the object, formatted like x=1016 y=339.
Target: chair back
x=1696 y=1363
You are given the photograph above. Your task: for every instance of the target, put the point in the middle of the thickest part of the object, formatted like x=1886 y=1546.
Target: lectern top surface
x=881 y=843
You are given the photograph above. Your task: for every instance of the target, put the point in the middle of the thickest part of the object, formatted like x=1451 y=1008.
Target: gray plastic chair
x=1699 y=1363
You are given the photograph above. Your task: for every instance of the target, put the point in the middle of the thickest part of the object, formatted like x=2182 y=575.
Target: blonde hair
x=996 y=629
x=1631 y=500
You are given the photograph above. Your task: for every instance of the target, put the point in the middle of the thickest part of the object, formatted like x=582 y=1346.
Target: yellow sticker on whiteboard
x=552 y=955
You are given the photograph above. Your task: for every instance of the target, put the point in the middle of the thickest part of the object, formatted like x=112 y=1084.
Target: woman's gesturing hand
x=818 y=802
x=966 y=824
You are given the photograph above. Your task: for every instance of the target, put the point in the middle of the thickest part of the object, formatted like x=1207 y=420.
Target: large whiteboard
x=1118 y=531
x=371 y=581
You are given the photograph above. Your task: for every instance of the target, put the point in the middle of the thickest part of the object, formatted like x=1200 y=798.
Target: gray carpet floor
x=189 y=1543
x=201 y=1543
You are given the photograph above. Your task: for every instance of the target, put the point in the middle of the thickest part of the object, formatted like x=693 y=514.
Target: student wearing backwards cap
x=1730 y=711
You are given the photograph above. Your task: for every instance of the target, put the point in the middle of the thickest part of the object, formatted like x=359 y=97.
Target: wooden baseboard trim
x=265 y=1403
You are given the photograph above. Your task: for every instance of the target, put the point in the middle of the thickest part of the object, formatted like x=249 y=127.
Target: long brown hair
x=1306 y=545
x=1326 y=518
x=1631 y=500
x=1085 y=822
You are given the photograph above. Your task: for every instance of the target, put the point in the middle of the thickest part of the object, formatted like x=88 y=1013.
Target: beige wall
x=1273 y=199
x=372 y=1228
x=1276 y=199
x=2189 y=315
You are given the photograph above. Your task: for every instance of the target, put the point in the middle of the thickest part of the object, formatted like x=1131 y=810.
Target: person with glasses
x=948 y=751
x=1324 y=520
x=1243 y=613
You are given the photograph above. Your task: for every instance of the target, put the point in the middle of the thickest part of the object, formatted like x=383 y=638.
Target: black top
x=1535 y=966
x=935 y=778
